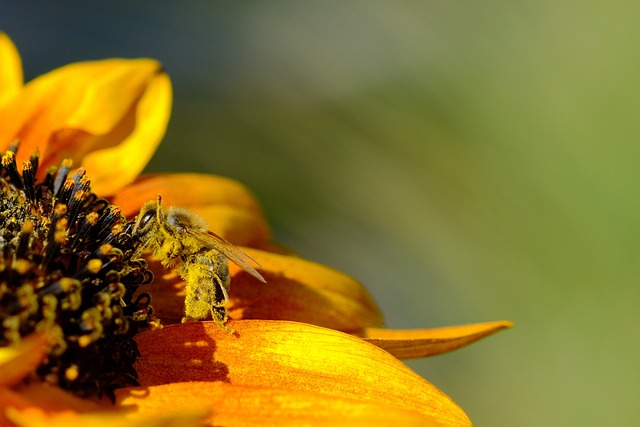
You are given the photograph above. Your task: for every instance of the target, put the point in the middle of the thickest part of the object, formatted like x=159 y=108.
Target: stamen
x=75 y=204
x=9 y=164
x=35 y=160
x=23 y=243
x=105 y=223
x=28 y=176
x=13 y=147
x=65 y=192
x=65 y=167
x=55 y=235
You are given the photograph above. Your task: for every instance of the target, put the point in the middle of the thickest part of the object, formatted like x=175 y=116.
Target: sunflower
x=78 y=323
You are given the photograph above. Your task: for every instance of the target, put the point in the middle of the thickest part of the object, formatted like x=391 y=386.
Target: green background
x=467 y=161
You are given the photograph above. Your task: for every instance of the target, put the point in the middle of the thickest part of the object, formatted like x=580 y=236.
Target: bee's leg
x=219 y=315
x=169 y=252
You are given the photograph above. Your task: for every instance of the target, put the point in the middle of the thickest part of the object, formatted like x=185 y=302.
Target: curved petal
x=114 y=167
x=407 y=344
x=229 y=208
x=237 y=405
x=45 y=397
x=29 y=403
x=37 y=404
x=19 y=362
x=301 y=290
x=107 y=116
x=37 y=417
x=190 y=190
x=290 y=356
x=296 y=289
x=10 y=69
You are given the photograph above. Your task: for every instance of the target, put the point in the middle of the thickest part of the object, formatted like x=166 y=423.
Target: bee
x=182 y=239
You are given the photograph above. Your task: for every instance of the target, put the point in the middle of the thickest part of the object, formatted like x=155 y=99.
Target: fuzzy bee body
x=179 y=237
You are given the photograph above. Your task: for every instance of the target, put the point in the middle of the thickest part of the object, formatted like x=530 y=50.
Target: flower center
x=67 y=264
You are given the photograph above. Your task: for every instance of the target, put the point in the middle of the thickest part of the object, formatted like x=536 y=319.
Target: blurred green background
x=467 y=161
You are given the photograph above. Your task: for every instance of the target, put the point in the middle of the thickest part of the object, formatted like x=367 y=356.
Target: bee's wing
x=213 y=241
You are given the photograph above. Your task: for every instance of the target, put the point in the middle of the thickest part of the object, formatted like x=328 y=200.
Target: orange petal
x=37 y=417
x=107 y=116
x=237 y=405
x=301 y=290
x=296 y=289
x=16 y=363
x=407 y=344
x=10 y=69
x=38 y=404
x=290 y=356
x=229 y=207
x=45 y=397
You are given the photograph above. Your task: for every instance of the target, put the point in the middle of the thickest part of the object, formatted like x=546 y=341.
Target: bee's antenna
x=159 y=210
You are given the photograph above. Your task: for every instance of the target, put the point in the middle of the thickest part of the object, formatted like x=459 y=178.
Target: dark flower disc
x=69 y=265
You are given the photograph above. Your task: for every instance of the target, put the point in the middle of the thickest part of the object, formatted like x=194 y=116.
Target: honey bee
x=181 y=238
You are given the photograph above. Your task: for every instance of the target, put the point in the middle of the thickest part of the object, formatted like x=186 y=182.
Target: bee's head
x=148 y=220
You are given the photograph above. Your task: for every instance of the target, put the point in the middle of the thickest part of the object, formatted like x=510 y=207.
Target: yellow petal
x=36 y=417
x=10 y=69
x=107 y=116
x=112 y=168
x=290 y=356
x=190 y=190
x=407 y=344
x=19 y=362
x=237 y=405
x=229 y=207
x=296 y=289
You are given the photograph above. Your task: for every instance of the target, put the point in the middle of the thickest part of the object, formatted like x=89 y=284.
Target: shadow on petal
x=191 y=358
x=301 y=290
x=296 y=289
x=290 y=356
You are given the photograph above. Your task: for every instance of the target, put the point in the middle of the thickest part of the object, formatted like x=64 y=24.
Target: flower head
x=307 y=345
x=66 y=267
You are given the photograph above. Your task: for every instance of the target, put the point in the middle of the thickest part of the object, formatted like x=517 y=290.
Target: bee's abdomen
x=207 y=278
